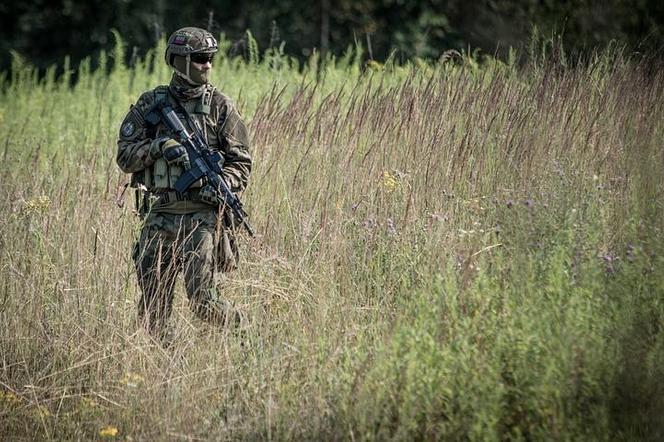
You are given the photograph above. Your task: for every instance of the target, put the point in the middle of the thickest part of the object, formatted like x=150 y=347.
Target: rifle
x=204 y=161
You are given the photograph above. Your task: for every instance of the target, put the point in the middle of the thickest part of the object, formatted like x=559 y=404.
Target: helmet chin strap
x=187 y=74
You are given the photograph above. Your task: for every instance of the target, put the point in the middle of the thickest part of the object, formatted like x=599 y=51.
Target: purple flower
x=391 y=228
x=610 y=260
x=630 y=252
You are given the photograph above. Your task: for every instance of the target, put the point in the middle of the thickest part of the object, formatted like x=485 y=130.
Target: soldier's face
x=201 y=68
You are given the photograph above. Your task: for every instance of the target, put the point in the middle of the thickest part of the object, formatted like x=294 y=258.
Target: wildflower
x=374 y=65
x=391 y=227
x=390 y=181
x=370 y=223
x=42 y=411
x=38 y=205
x=437 y=217
x=89 y=403
x=9 y=398
x=132 y=380
x=108 y=431
x=610 y=261
x=630 y=252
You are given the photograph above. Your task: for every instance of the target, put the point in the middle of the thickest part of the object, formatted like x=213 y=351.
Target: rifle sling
x=193 y=124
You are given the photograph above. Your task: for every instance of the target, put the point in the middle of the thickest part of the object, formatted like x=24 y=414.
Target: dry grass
x=444 y=252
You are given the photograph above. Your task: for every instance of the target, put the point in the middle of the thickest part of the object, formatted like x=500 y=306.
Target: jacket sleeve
x=234 y=138
x=133 y=141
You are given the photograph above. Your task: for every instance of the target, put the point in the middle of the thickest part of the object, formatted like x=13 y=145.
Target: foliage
x=449 y=250
x=45 y=33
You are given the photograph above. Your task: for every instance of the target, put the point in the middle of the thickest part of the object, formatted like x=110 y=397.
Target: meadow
x=464 y=249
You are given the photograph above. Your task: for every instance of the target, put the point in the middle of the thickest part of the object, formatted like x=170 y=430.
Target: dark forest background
x=45 y=31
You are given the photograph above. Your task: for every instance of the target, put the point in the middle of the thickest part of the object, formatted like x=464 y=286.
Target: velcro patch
x=179 y=40
x=132 y=125
x=128 y=129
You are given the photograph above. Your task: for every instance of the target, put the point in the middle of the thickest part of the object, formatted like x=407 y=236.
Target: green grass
x=454 y=251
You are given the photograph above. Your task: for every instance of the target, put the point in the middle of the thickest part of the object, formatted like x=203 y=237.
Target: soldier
x=182 y=231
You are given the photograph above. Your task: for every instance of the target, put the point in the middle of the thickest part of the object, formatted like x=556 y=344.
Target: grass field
x=452 y=250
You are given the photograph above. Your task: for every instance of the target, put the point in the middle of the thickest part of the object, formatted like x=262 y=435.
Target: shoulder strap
x=160 y=93
x=152 y=116
x=191 y=121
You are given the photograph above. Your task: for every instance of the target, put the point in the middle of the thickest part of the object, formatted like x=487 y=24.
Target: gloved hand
x=155 y=147
x=175 y=154
x=208 y=195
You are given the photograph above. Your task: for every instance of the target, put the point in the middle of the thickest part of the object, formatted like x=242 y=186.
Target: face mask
x=190 y=71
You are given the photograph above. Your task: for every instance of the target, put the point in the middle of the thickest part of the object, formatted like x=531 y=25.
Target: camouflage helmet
x=183 y=43
x=188 y=41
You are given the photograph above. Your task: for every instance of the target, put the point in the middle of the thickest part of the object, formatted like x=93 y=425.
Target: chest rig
x=195 y=115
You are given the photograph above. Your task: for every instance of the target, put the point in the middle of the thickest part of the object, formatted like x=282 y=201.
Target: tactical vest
x=161 y=177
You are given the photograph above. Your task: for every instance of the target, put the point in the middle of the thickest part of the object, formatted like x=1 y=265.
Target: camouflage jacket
x=223 y=130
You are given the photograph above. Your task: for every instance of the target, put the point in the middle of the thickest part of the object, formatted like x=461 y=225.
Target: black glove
x=175 y=154
x=209 y=195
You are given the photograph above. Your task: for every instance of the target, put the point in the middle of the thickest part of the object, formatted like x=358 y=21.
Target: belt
x=172 y=196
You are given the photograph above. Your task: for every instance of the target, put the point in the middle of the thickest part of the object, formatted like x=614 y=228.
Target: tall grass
x=446 y=251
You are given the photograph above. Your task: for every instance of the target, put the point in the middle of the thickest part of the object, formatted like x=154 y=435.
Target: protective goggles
x=202 y=58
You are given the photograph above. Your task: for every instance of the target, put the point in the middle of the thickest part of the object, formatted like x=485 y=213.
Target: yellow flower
x=390 y=181
x=132 y=380
x=42 y=411
x=374 y=65
x=89 y=403
x=9 y=398
x=38 y=205
x=108 y=431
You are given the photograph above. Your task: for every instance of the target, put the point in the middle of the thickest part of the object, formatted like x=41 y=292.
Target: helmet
x=187 y=41
x=190 y=40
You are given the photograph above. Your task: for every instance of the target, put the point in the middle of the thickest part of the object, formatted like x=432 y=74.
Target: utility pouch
x=160 y=174
x=174 y=174
x=142 y=178
x=147 y=178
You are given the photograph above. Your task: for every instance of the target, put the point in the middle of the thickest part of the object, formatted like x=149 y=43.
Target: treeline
x=44 y=32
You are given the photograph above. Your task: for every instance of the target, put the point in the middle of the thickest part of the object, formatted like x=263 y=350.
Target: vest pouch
x=142 y=178
x=148 y=182
x=174 y=172
x=160 y=174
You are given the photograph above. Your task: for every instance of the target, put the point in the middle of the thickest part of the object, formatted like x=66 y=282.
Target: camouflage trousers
x=197 y=245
